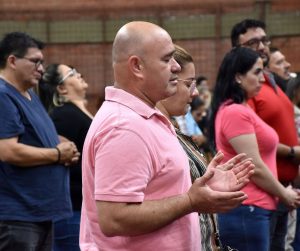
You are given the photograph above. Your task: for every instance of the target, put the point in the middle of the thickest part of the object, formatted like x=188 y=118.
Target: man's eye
x=253 y=42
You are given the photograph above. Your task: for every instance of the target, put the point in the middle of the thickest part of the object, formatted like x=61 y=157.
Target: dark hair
x=292 y=86
x=273 y=49
x=242 y=27
x=282 y=83
x=17 y=43
x=199 y=80
x=196 y=103
x=238 y=61
x=48 y=84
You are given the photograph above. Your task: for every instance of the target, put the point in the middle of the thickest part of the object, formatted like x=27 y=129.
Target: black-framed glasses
x=37 y=62
x=255 y=42
x=190 y=83
x=71 y=73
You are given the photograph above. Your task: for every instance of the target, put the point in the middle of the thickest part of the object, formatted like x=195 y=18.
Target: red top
x=234 y=120
x=275 y=108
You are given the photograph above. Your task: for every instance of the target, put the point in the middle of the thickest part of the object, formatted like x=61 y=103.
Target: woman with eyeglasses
x=63 y=92
x=178 y=105
x=236 y=128
x=187 y=122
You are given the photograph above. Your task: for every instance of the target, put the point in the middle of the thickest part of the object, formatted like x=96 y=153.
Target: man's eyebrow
x=280 y=60
x=169 y=54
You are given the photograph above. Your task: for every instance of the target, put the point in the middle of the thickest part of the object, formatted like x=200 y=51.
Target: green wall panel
x=229 y=20
x=75 y=31
x=186 y=27
x=283 y=23
x=113 y=25
x=180 y=27
x=36 y=29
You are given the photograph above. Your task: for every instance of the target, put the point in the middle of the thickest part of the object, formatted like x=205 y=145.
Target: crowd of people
x=170 y=161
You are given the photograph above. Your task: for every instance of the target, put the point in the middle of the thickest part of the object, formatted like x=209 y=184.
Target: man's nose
x=175 y=66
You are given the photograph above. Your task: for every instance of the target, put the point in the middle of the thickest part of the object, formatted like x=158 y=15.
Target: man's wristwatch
x=292 y=153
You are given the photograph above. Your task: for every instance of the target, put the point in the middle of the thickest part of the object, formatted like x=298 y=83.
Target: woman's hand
x=292 y=197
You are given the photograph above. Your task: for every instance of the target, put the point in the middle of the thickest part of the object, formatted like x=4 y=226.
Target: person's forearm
x=264 y=179
x=63 y=139
x=27 y=156
x=121 y=219
x=283 y=150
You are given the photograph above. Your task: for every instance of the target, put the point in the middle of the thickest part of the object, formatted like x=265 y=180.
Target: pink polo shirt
x=131 y=154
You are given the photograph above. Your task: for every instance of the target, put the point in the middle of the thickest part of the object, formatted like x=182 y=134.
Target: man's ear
x=11 y=61
x=135 y=65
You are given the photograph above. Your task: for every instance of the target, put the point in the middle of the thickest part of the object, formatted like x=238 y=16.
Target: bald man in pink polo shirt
x=137 y=191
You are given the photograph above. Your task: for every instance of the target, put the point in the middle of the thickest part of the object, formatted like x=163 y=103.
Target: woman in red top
x=235 y=128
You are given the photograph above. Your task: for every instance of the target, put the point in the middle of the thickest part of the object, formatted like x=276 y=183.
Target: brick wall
x=114 y=5
x=89 y=48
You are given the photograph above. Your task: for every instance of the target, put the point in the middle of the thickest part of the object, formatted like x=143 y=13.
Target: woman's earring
x=58 y=100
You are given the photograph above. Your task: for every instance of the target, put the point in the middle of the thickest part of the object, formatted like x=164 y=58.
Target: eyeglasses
x=35 y=61
x=255 y=42
x=71 y=73
x=190 y=83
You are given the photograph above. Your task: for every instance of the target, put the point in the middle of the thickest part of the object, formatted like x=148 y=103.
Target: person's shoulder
x=6 y=93
x=114 y=117
x=9 y=92
x=63 y=109
x=3 y=87
x=69 y=113
x=131 y=119
x=233 y=108
x=237 y=111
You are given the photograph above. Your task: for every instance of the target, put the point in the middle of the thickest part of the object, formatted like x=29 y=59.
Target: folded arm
x=262 y=176
x=13 y=152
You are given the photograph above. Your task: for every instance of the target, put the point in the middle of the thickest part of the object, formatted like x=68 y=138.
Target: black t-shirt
x=73 y=124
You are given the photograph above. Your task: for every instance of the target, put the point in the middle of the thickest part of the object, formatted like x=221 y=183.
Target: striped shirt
x=198 y=164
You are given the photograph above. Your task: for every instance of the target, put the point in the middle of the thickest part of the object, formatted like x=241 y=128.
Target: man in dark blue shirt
x=34 y=179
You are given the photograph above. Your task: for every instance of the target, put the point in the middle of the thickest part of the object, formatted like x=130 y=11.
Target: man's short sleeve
x=10 y=120
x=123 y=167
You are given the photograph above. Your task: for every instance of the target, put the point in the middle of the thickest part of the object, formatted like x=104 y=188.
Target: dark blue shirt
x=37 y=193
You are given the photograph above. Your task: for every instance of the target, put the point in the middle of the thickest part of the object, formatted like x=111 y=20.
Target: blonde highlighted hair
x=182 y=57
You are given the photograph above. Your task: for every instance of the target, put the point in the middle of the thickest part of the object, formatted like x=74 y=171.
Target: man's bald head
x=132 y=39
x=143 y=62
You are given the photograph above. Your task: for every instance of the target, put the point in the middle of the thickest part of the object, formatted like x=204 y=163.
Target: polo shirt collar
x=269 y=78
x=131 y=101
